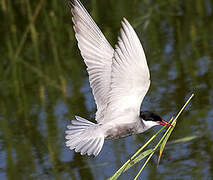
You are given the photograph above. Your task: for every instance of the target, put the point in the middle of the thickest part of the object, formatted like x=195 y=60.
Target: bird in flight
x=119 y=79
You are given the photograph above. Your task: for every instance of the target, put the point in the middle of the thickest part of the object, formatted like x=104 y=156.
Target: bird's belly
x=120 y=131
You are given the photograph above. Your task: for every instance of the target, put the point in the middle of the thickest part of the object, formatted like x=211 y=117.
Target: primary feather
x=96 y=52
x=130 y=78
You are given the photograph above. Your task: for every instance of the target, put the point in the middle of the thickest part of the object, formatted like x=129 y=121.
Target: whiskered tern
x=119 y=79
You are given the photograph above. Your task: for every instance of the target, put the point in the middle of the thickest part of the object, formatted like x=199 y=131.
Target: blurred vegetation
x=41 y=69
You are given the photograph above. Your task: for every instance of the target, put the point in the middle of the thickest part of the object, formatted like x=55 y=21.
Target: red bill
x=164 y=123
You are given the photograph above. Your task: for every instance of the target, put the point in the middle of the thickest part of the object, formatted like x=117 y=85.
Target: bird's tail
x=84 y=136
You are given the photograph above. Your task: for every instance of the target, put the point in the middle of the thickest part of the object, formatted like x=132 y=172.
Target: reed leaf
x=138 y=158
x=170 y=129
x=183 y=140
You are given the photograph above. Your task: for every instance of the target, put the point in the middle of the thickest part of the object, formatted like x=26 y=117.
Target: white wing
x=130 y=77
x=96 y=52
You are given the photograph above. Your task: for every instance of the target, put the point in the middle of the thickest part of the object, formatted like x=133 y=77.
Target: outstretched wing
x=96 y=52
x=130 y=77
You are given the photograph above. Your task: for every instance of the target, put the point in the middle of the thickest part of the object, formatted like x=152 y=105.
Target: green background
x=44 y=83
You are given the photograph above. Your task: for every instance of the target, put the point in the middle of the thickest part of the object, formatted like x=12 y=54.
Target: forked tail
x=84 y=136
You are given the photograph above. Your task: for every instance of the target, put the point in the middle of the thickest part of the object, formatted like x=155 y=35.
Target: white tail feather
x=84 y=136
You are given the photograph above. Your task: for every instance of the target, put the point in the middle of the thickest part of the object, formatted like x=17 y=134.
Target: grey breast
x=121 y=131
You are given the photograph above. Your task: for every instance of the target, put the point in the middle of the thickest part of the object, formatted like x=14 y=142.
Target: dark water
x=43 y=84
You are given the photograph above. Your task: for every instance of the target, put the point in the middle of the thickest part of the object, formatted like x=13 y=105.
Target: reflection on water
x=44 y=84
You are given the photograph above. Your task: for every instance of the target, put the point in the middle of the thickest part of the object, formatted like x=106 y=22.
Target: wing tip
x=72 y=4
x=124 y=19
x=126 y=23
x=75 y=3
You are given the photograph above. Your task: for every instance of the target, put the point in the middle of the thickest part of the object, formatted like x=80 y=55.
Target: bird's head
x=151 y=119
